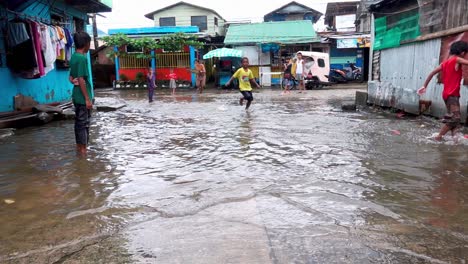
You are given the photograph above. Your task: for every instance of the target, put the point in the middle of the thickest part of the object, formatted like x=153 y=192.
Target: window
x=200 y=22
x=167 y=22
x=132 y=49
x=216 y=21
x=321 y=63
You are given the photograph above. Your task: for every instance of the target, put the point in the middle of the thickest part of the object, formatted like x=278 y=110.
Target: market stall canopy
x=284 y=32
x=223 y=52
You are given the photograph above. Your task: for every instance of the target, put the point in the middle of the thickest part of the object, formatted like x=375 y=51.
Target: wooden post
x=95 y=33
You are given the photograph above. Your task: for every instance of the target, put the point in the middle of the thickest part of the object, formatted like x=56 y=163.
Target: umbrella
x=223 y=52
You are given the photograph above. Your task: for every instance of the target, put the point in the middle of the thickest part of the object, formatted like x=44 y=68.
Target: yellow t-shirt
x=244 y=78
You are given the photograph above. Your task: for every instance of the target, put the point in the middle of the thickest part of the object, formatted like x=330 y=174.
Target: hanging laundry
x=21 y=58
x=37 y=46
x=48 y=49
x=17 y=34
x=69 y=44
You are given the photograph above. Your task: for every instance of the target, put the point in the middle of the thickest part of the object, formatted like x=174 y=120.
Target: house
x=346 y=44
x=23 y=89
x=363 y=16
x=293 y=11
x=131 y=66
x=341 y=16
x=411 y=39
x=182 y=14
x=266 y=44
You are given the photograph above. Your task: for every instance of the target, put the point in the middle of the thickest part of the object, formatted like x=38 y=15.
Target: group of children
x=83 y=95
x=200 y=77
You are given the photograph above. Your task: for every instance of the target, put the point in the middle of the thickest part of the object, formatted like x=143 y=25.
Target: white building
x=208 y=21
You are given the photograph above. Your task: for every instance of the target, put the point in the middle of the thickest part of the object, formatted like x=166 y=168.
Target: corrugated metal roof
x=153 y=30
x=284 y=32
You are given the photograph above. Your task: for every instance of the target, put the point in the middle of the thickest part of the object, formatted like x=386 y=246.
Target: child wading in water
x=172 y=81
x=245 y=77
x=151 y=82
x=451 y=70
x=83 y=94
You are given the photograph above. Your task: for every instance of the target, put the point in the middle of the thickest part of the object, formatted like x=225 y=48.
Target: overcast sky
x=131 y=13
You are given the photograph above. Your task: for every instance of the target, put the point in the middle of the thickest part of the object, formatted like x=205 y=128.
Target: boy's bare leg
x=81 y=149
x=249 y=102
x=444 y=130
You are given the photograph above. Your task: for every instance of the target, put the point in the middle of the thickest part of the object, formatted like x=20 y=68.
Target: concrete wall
x=54 y=87
x=183 y=14
x=403 y=71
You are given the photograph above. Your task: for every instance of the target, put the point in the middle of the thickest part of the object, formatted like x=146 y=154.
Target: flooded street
x=197 y=179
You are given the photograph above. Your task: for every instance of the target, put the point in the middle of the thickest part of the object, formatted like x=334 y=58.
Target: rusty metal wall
x=403 y=70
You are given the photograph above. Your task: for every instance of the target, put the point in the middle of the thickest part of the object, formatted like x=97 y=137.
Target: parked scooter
x=353 y=73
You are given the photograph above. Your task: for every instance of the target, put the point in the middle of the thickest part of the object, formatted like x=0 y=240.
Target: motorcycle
x=353 y=73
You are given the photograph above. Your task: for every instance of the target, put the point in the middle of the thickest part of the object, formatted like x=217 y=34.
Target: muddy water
x=196 y=179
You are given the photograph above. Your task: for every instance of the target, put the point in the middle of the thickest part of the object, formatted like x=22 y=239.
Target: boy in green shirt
x=82 y=92
x=245 y=78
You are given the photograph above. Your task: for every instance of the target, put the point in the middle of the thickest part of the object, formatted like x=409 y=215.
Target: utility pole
x=95 y=33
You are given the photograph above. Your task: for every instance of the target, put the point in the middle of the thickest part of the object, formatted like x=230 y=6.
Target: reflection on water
x=188 y=177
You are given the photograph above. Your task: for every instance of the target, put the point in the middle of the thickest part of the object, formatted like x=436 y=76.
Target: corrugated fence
x=403 y=70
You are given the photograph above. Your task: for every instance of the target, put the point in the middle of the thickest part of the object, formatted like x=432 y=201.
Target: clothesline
x=35 y=48
x=36 y=18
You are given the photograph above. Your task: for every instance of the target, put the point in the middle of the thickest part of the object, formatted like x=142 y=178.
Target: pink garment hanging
x=37 y=44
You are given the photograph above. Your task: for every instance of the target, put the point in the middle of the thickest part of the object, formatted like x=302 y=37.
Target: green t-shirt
x=79 y=68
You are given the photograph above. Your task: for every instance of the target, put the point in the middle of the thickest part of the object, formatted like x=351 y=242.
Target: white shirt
x=300 y=67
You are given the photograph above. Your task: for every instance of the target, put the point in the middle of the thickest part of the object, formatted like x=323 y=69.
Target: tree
x=171 y=43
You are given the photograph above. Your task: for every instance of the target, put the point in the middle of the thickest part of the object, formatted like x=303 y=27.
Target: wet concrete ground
x=197 y=179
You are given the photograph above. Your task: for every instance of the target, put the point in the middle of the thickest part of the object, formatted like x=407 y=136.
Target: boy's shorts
x=247 y=95
x=82 y=123
x=453 y=116
x=201 y=80
x=299 y=77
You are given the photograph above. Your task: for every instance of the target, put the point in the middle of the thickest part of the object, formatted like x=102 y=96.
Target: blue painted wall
x=339 y=57
x=54 y=87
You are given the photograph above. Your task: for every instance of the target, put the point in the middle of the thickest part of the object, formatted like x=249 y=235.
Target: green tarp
x=392 y=31
x=284 y=32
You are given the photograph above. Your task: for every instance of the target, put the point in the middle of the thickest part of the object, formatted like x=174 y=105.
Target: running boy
x=83 y=94
x=245 y=77
x=451 y=70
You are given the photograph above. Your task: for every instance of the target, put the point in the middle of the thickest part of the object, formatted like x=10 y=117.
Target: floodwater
x=197 y=179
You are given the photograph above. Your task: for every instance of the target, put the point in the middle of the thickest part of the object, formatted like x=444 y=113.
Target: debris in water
x=9 y=201
x=396 y=132
x=401 y=115
x=466 y=136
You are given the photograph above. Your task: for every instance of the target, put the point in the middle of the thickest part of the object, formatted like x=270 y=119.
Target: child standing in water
x=151 y=82
x=172 y=81
x=245 y=77
x=287 y=77
x=83 y=93
x=451 y=70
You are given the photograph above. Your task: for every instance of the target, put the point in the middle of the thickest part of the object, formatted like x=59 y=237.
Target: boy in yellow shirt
x=245 y=77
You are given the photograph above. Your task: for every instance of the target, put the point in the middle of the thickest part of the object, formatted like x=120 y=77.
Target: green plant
x=123 y=77
x=173 y=42
x=140 y=77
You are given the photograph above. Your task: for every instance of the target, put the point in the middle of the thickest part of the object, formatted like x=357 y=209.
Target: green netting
x=392 y=31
